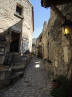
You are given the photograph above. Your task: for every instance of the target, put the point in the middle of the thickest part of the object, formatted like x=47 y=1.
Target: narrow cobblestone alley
x=33 y=84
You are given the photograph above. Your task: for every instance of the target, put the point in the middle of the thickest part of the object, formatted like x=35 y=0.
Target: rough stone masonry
x=16 y=16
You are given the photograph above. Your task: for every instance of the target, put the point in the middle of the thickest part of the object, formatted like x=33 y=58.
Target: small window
x=19 y=10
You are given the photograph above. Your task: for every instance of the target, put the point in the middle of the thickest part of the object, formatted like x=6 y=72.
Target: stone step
x=4 y=83
x=19 y=60
x=16 y=75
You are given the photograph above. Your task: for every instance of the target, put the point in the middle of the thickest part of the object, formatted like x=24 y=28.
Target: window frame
x=17 y=14
x=20 y=8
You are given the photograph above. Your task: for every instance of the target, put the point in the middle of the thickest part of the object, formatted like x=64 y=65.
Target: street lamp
x=67 y=27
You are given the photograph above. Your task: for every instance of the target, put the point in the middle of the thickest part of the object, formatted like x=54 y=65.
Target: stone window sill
x=19 y=16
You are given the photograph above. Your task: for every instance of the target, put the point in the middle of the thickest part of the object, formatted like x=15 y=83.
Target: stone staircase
x=19 y=62
x=16 y=65
x=18 y=59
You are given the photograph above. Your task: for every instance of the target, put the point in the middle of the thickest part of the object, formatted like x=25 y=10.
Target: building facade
x=16 y=27
x=57 y=47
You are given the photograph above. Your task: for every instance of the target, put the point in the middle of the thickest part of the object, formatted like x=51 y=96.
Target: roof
x=48 y=3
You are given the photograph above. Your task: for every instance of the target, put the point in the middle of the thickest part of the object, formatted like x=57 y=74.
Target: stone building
x=16 y=27
x=40 y=46
x=57 y=47
x=34 y=46
x=44 y=41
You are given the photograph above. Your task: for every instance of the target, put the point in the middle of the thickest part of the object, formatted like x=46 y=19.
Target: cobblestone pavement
x=34 y=83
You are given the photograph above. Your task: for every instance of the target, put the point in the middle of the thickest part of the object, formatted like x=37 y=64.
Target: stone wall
x=56 y=47
x=60 y=55
x=40 y=43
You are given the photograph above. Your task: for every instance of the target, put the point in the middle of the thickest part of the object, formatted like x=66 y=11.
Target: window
x=19 y=9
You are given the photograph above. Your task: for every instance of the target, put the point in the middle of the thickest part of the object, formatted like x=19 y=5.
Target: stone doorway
x=15 y=41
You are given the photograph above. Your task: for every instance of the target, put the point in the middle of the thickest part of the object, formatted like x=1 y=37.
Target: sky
x=40 y=15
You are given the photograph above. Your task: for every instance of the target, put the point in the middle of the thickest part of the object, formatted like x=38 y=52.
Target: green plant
x=62 y=90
